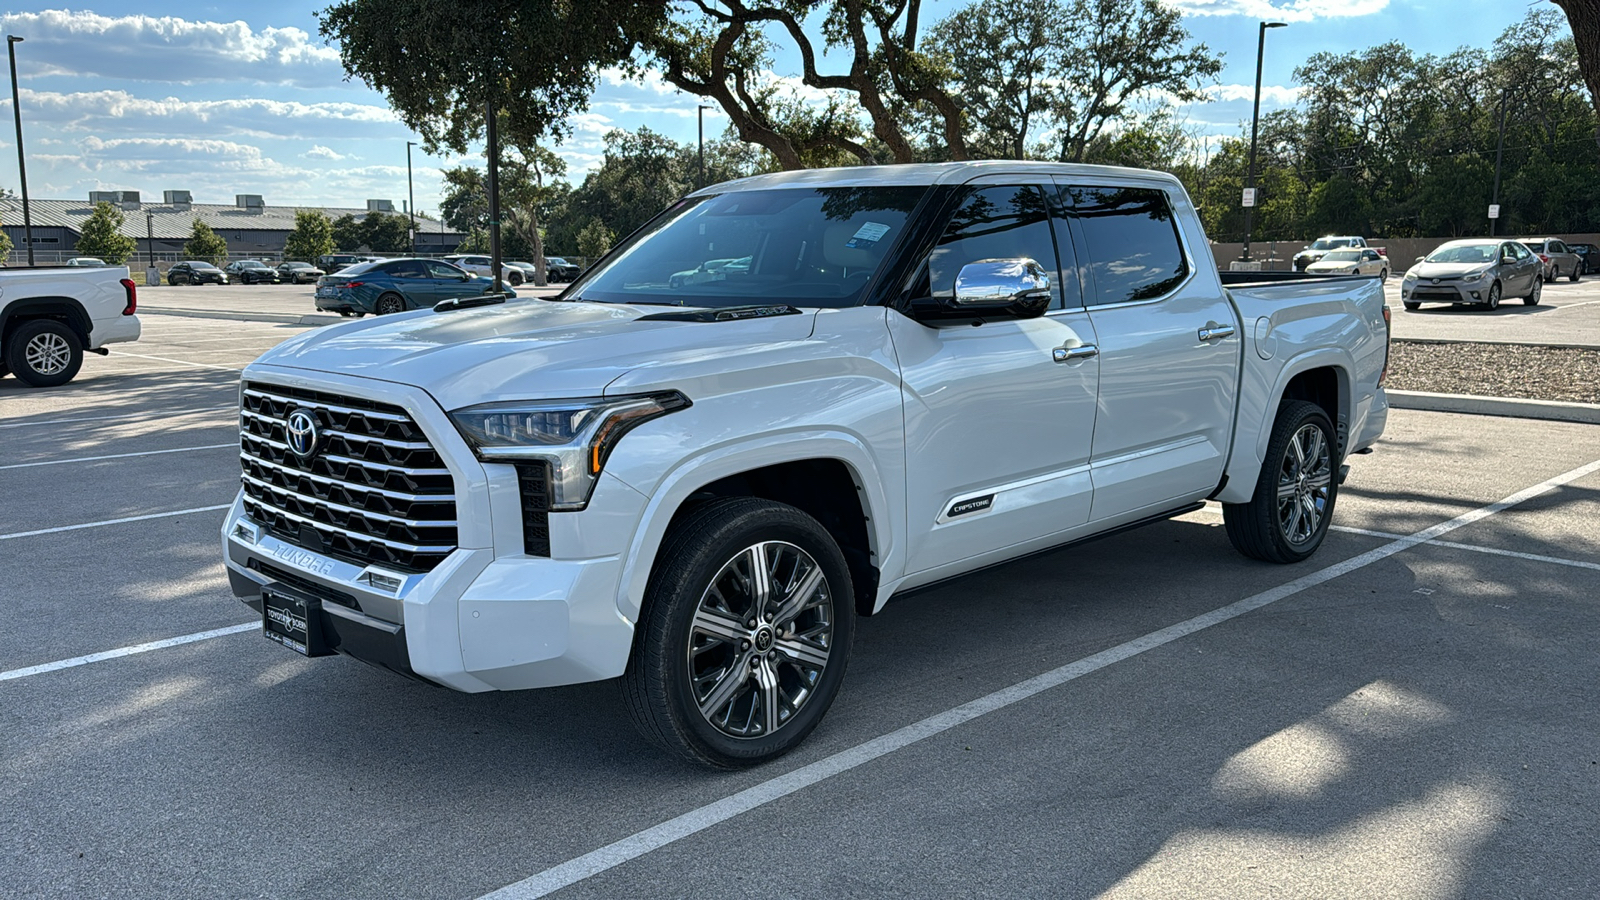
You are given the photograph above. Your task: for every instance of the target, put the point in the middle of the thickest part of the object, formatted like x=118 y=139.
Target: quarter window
x=996 y=223
x=1131 y=241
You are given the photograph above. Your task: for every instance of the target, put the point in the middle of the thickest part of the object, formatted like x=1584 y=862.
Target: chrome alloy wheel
x=760 y=639
x=48 y=354
x=1304 y=480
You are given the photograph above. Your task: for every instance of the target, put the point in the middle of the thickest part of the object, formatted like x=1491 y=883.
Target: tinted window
x=995 y=223
x=358 y=269
x=1535 y=247
x=1557 y=247
x=443 y=270
x=1131 y=239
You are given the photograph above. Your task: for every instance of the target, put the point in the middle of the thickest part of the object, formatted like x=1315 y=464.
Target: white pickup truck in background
x=1322 y=246
x=697 y=485
x=50 y=315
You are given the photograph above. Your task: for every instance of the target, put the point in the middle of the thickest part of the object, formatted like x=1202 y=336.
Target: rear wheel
x=44 y=353
x=1287 y=518
x=746 y=630
x=390 y=303
x=1383 y=275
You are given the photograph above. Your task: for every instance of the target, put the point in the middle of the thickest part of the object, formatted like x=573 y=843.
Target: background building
x=252 y=229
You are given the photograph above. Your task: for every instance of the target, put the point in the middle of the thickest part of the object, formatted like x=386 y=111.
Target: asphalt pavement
x=1408 y=714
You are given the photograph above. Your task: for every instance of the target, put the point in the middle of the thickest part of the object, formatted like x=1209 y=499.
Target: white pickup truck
x=50 y=315
x=697 y=486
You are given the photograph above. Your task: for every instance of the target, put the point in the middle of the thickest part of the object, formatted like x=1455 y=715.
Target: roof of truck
x=925 y=174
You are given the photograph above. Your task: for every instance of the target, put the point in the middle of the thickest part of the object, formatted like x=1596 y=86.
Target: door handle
x=1216 y=332
x=1074 y=354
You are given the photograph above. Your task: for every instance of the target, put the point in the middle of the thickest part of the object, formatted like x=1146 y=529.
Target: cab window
x=1130 y=236
x=1008 y=222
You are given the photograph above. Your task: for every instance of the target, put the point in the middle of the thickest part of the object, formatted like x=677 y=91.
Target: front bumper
x=1424 y=291
x=489 y=616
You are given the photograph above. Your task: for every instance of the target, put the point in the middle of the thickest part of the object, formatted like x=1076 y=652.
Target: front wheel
x=1493 y=303
x=1287 y=518
x=745 y=633
x=390 y=303
x=44 y=353
x=1533 y=295
x=1383 y=276
x=1577 y=273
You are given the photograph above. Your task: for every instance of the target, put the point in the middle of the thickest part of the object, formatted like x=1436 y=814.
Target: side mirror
x=991 y=288
x=1420 y=258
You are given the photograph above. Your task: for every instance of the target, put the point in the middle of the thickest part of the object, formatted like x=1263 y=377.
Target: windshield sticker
x=867 y=235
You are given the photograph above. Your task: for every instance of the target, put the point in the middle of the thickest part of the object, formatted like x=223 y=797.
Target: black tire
x=1551 y=275
x=1577 y=273
x=1533 y=293
x=44 y=353
x=182 y=279
x=1383 y=275
x=389 y=303
x=1411 y=305
x=1256 y=528
x=715 y=544
x=515 y=280
x=1493 y=303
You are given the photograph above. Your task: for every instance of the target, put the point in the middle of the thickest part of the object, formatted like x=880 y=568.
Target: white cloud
x=149 y=48
x=101 y=112
x=1275 y=10
x=318 y=151
x=1271 y=94
x=649 y=81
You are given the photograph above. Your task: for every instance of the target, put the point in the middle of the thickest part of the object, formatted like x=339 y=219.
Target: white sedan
x=1351 y=261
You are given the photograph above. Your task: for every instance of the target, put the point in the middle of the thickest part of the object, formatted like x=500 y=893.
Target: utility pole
x=701 y=111
x=1499 y=151
x=411 y=198
x=22 y=166
x=494 y=197
x=1255 y=123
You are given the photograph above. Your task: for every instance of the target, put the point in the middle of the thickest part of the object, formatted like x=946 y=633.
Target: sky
x=222 y=100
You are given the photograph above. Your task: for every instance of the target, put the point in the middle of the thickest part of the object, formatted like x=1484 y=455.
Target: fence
x=164 y=259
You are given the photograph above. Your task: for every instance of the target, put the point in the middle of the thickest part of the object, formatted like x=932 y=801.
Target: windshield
x=814 y=247
x=1343 y=256
x=1330 y=243
x=1464 y=253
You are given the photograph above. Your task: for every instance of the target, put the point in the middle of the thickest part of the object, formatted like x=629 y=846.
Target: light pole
x=701 y=112
x=1499 y=151
x=22 y=167
x=1255 y=122
x=411 y=198
x=151 y=276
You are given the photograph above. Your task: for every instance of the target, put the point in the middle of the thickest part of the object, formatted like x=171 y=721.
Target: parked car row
x=244 y=271
x=254 y=271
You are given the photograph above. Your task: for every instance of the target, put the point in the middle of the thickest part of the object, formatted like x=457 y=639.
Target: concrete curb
x=1587 y=413
x=282 y=318
x=1494 y=342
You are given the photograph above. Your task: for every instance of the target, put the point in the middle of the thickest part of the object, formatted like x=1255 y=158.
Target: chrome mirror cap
x=991 y=283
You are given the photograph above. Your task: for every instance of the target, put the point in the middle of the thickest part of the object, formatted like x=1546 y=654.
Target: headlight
x=1410 y=276
x=575 y=437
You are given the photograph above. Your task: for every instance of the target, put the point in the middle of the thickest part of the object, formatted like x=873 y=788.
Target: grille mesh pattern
x=374 y=492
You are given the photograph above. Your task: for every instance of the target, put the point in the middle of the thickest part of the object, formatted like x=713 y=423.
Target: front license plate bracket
x=294 y=620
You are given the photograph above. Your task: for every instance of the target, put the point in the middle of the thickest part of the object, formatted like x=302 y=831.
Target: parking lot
x=1409 y=714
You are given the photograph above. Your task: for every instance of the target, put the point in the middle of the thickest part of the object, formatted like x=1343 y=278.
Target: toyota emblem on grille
x=301 y=433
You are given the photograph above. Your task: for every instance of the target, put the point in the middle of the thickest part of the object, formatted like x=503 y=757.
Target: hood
x=1448 y=269
x=524 y=349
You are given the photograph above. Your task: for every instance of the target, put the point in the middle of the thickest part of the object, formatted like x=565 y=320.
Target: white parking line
x=1475 y=548
x=128 y=651
x=697 y=820
x=81 y=459
x=159 y=515
x=169 y=414
x=181 y=362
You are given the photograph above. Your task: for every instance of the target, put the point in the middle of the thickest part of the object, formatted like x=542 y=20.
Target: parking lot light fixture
x=411 y=198
x=1255 y=123
x=22 y=166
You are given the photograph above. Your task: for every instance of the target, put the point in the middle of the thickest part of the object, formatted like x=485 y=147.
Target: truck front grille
x=374 y=490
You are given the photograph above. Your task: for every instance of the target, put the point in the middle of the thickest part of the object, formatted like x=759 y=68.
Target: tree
x=441 y=69
x=5 y=245
x=1583 y=16
x=595 y=239
x=386 y=233
x=312 y=236
x=102 y=235
x=348 y=234
x=205 y=244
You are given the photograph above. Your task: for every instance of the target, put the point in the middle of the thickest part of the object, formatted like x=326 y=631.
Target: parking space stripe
x=82 y=459
x=159 y=515
x=169 y=414
x=1453 y=545
x=128 y=651
x=702 y=818
x=180 y=362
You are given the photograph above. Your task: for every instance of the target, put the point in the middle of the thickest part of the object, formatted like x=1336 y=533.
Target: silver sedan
x=1474 y=272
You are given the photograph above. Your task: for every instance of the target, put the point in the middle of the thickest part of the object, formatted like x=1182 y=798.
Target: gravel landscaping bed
x=1496 y=370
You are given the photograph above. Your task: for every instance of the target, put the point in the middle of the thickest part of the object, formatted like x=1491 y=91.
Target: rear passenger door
x=1169 y=349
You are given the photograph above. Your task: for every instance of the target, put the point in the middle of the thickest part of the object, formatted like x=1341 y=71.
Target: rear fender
x=1258 y=410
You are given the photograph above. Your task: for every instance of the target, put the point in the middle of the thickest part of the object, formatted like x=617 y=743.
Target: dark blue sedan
x=396 y=285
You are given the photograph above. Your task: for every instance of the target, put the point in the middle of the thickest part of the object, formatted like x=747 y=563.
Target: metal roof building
x=251 y=228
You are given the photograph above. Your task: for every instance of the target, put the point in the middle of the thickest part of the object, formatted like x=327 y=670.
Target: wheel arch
x=1321 y=376
x=830 y=477
x=65 y=309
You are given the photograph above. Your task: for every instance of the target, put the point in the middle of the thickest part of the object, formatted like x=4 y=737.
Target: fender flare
x=695 y=472
x=1244 y=468
x=48 y=307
